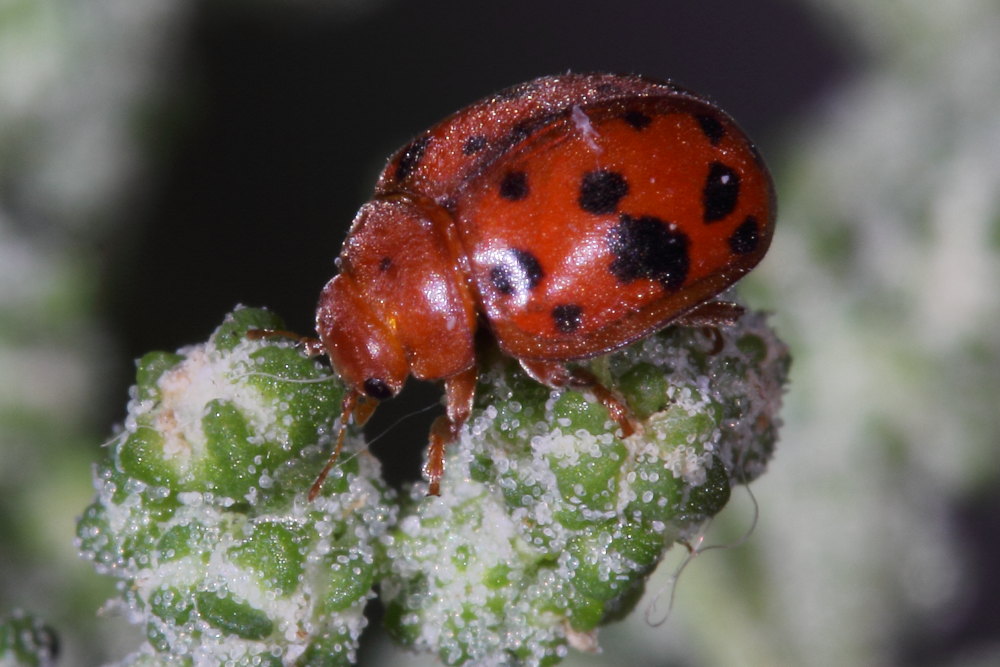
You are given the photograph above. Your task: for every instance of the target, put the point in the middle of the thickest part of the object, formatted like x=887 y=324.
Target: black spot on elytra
x=411 y=157
x=567 y=317
x=601 y=190
x=384 y=264
x=722 y=191
x=637 y=119
x=474 y=144
x=712 y=128
x=377 y=388
x=647 y=247
x=519 y=272
x=746 y=237
x=608 y=88
x=514 y=186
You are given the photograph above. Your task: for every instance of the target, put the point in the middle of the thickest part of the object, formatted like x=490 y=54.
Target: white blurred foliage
x=883 y=275
x=72 y=76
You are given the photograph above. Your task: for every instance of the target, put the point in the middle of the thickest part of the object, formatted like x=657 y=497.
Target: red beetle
x=570 y=215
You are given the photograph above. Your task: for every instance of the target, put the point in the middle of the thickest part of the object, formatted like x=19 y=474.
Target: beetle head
x=363 y=350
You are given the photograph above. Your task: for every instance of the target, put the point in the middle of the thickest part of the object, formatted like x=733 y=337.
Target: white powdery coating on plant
x=208 y=374
x=751 y=397
x=465 y=538
x=296 y=621
x=309 y=553
x=547 y=539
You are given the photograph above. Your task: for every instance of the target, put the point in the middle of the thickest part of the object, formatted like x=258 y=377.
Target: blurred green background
x=161 y=162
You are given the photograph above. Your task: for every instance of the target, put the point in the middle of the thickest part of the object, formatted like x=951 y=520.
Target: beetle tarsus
x=311 y=346
x=442 y=433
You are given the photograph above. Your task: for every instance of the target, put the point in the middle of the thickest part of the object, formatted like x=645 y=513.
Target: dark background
x=278 y=117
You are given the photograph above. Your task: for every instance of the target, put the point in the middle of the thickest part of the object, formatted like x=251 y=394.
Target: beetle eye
x=377 y=389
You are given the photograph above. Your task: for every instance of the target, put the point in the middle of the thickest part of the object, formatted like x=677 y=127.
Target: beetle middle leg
x=554 y=374
x=459 y=391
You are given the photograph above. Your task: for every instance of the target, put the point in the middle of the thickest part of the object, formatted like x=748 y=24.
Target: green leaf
x=141 y=456
x=230 y=468
x=274 y=552
x=232 y=617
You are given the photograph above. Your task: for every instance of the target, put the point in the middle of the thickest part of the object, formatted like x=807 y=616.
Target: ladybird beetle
x=569 y=215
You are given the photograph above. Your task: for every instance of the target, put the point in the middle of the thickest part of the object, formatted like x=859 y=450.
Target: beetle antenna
x=388 y=429
x=350 y=400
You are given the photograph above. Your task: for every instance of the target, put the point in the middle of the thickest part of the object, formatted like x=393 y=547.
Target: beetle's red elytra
x=569 y=215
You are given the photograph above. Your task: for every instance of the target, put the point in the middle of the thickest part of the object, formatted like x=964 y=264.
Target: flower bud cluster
x=548 y=523
x=201 y=510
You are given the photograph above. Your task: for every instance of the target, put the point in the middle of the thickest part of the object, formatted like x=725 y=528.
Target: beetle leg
x=709 y=317
x=556 y=375
x=441 y=435
x=361 y=411
x=718 y=340
x=459 y=391
x=711 y=314
x=311 y=346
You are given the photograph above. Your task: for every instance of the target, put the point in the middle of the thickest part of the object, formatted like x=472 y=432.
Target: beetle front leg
x=554 y=374
x=355 y=405
x=459 y=391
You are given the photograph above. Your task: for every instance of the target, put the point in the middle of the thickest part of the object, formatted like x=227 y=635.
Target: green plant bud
x=201 y=507
x=549 y=521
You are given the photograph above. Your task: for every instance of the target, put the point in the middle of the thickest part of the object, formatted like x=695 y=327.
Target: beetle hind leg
x=558 y=376
x=712 y=314
x=709 y=317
